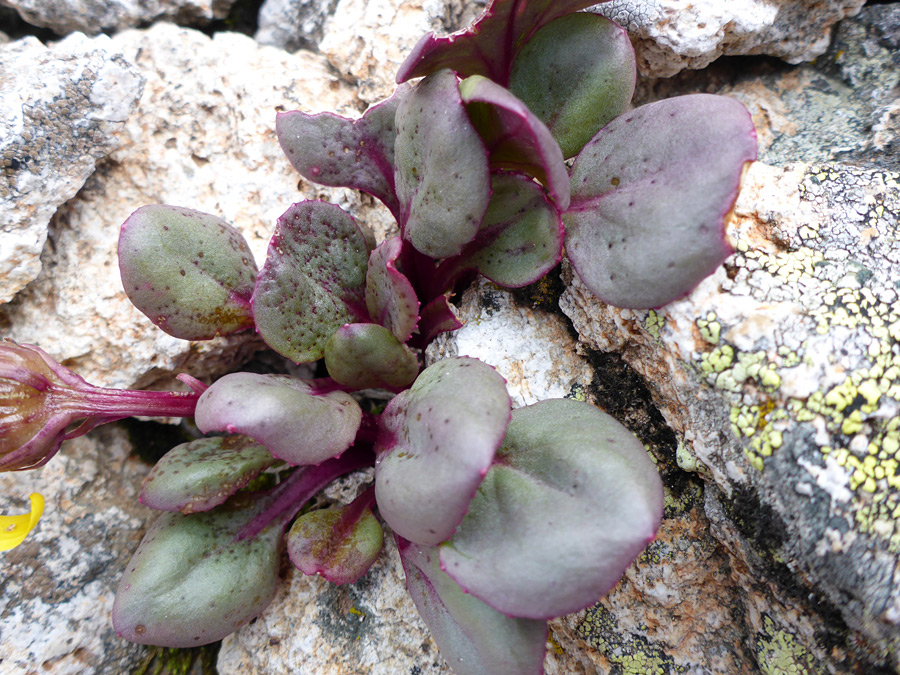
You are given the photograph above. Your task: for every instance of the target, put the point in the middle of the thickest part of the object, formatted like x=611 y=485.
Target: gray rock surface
x=62 y=110
x=105 y=16
x=293 y=24
x=670 y=35
x=58 y=586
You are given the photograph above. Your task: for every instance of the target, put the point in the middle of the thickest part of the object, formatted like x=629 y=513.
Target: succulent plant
x=503 y=518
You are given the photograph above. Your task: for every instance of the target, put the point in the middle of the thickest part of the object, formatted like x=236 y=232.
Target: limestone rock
x=293 y=24
x=369 y=40
x=779 y=374
x=58 y=586
x=61 y=111
x=196 y=140
x=91 y=17
x=670 y=35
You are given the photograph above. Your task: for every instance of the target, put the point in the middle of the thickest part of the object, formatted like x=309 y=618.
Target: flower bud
x=42 y=404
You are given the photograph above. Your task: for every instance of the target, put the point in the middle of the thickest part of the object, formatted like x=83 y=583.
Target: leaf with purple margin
x=367 y=355
x=576 y=74
x=313 y=280
x=521 y=237
x=339 y=543
x=650 y=195
x=332 y=150
x=192 y=582
x=190 y=272
x=571 y=500
x=442 y=176
x=283 y=413
x=474 y=638
x=514 y=137
x=446 y=427
x=438 y=317
x=489 y=46
x=202 y=474
x=390 y=297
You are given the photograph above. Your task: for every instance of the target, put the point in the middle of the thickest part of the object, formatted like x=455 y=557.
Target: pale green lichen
x=629 y=654
x=654 y=324
x=778 y=652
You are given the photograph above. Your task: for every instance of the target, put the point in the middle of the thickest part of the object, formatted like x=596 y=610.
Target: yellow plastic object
x=14 y=529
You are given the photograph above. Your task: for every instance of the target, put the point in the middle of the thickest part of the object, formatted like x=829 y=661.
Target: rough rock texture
x=195 y=140
x=368 y=41
x=61 y=110
x=670 y=35
x=104 y=16
x=293 y=24
x=57 y=588
x=780 y=375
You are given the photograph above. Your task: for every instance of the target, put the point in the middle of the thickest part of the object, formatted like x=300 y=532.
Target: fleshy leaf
x=340 y=543
x=366 y=355
x=521 y=236
x=489 y=45
x=474 y=638
x=336 y=151
x=442 y=175
x=437 y=441
x=313 y=280
x=576 y=74
x=438 y=317
x=650 y=194
x=514 y=137
x=390 y=297
x=202 y=474
x=191 y=582
x=283 y=413
x=571 y=500
x=191 y=273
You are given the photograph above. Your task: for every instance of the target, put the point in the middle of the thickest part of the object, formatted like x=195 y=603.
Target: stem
x=114 y=404
x=289 y=497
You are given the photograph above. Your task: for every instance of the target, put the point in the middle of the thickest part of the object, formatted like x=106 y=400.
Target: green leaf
x=202 y=474
x=390 y=297
x=571 y=500
x=192 y=582
x=366 y=355
x=473 y=638
x=313 y=280
x=441 y=168
x=191 y=273
x=576 y=74
x=437 y=441
x=286 y=414
x=650 y=194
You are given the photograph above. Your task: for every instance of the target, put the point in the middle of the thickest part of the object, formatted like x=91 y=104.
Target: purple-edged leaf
x=333 y=150
x=514 y=137
x=390 y=297
x=191 y=582
x=521 y=236
x=576 y=74
x=202 y=474
x=442 y=177
x=438 y=317
x=436 y=444
x=489 y=45
x=340 y=543
x=472 y=637
x=283 y=413
x=191 y=273
x=650 y=194
x=366 y=355
x=571 y=500
x=313 y=280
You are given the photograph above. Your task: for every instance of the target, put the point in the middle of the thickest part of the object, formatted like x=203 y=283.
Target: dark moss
x=167 y=661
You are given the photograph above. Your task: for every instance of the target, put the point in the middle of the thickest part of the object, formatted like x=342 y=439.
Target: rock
x=58 y=586
x=293 y=24
x=670 y=35
x=778 y=373
x=68 y=16
x=61 y=111
x=368 y=41
x=198 y=141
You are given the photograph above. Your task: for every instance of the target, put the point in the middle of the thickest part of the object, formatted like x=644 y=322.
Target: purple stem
x=114 y=404
x=288 y=498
